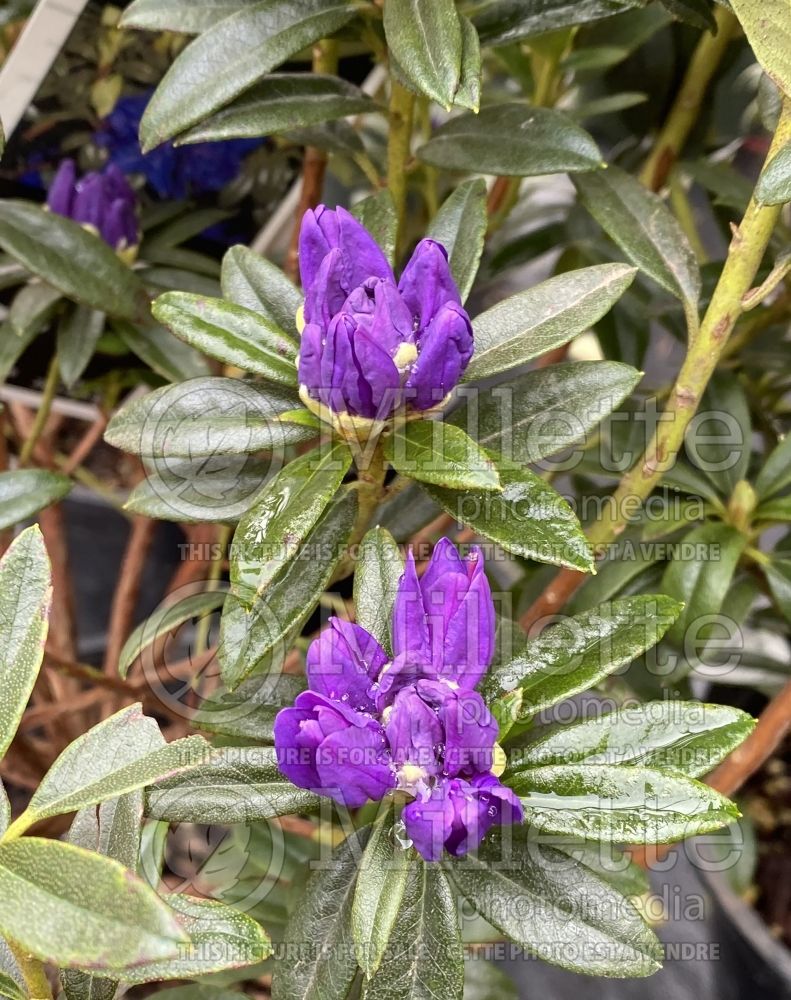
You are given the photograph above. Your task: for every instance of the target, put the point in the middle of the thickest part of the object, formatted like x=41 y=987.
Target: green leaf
x=512 y=140
x=229 y=333
x=12 y=982
x=32 y=308
x=544 y=411
x=767 y=24
x=282 y=102
x=24 y=492
x=5 y=810
x=123 y=753
x=529 y=518
x=631 y=805
x=778 y=509
x=684 y=736
x=254 y=639
x=288 y=508
x=325 y=969
x=432 y=451
x=165 y=620
x=188 y=16
x=12 y=348
x=10 y=989
x=231 y=56
x=702 y=581
x=644 y=228
x=78 y=334
x=379 y=569
x=720 y=445
x=384 y=869
x=575 y=654
x=251 y=281
x=425 y=41
x=162 y=352
x=555 y=907
x=248 y=713
x=774 y=184
x=425 y=957
x=95 y=914
x=25 y=592
x=778 y=576
x=377 y=213
x=207 y=418
x=460 y=226
x=76 y=262
x=221 y=938
x=468 y=92
x=546 y=316
x=484 y=980
x=503 y=21
x=776 y=472
x=694 y=12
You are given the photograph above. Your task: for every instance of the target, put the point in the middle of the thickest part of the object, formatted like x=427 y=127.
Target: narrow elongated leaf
x=544 y=411
x=5 y=810
x=721 y=444
x=232 y=55
x=504 y=21
x=425 y=40
x=379 y=568
x=78 y=334
x=767 y=24
x=270 y=534
x=377 y=213
x=578 y=652
x=442 y=454
x=32 y=308
x=282 y=102
x=778 y=509
x=10 y=989
x=25 y=591
x=468 y=92
x=12 y=982
x=24 y=492
x=161 y=351
x=695 y=12
x=229 y=333
x=188 y=16
x=460 y=226
x=249 y=712
x=644 y=228
x=531 y=323
x=238 y=785
x=95 y=914
x=12 y=348
x=555 y=907
x=512 y=140
x=68 y=257
x=685 y=736
x=631 y=805
x=319 y=932
x=425 y=957
x=774 y=184
x=529 y=518
x=776 y=472
x=249 y=280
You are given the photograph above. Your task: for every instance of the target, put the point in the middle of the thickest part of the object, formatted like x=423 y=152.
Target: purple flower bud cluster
x=370 y=344
x=370 y=725
x=105 y=201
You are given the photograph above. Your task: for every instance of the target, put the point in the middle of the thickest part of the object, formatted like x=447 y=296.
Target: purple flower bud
x=457 y=814
x=427 y=284
x=343 y=664
x=334 y=751
x=448 y=615
x=105 y=202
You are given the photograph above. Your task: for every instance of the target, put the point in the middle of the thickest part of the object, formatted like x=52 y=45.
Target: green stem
x=745 y=254
x=401 y=110
x=32 y=971
x=45 y=406
x=213 y=577
x=683 y=211
x=686 y=107
x=371 y=472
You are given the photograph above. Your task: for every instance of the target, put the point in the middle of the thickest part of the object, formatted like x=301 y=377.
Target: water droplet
x=400 y=835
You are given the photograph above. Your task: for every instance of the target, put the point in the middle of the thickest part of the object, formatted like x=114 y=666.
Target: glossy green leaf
x=322 y=919
x=546 y=316
x=238 y=785
x=161 y=351
x=778 y=509
x=776 y=472
x=12 y=348
x=254 y=639
x=270 y=534
x=555 y=907
x=425 y=957
x=249 y=712
x=767 y=24
x=702 y=580
x=231 y=56
x=460 y=226
x=529 y=518
x=24 y=492
x=377 y=213
x=78 y=334
x=95 y=915
x=249 y=280
x=502 y=21
x=76 y=262
x=778 y=576
x=188 y=16
x=576 y=653
x=380 y=566
x=644 y=228
x=544 y=411
x=512 y=140
x=425 y=41
x=229 y=333
x=774 y=184
x=382 y=879
x=25 y=592
x=721 y=443
x=165 y=620
x=630 y=805
x=282 y=102
x=123 y=753
x=439 y=453
x=32 y=308
x=10 y=989
x=468 y=92
x=685 y=736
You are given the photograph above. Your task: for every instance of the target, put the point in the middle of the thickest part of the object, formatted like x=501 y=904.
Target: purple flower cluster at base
x=104 y=201
x=370 y=725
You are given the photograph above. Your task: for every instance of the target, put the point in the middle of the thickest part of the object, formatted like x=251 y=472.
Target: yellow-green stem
x=683 y=211
x=401 y=110
x=42 y=415
x=32 y=971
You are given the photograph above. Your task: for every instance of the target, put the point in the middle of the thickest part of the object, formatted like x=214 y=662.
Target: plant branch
x=32 y=972
x=400 y=113
x=43 y=412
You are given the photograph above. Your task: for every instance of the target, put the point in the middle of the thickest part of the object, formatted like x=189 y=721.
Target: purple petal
x=470 y=732
x=363 y=256
x=410 y=630
x=90 y=202
x=343 y=663
x=119 y=227
x=427 y=283
x=405 y=670
x=342 y=386
x=353 y=765
x=470 y=632
x=325 y=296
x=414 y=732
x=61 y=190
x=380 y=384
x=444 y=352
x=310 y=358
x=318 y=235
x=429 y=822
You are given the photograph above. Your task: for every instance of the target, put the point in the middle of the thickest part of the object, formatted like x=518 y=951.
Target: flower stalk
x=401 y=111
